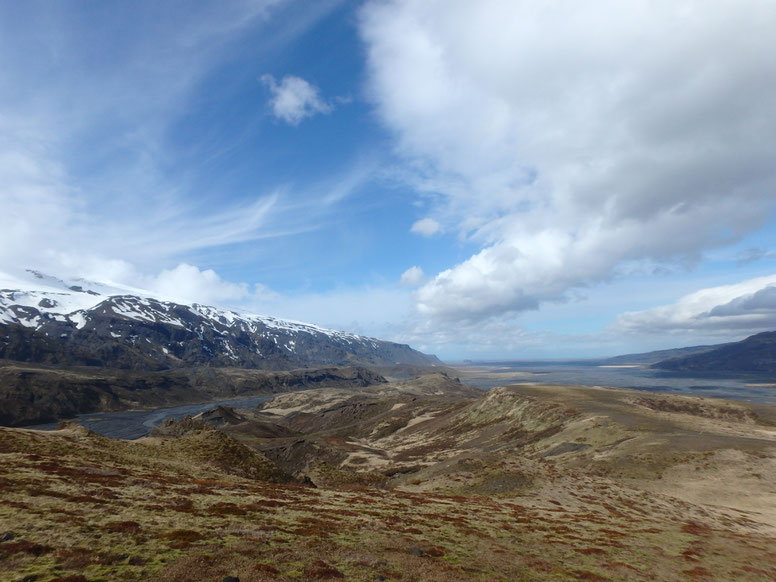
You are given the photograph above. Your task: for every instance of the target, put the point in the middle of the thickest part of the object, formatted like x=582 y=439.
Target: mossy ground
x=111 y=510
x=507 y=506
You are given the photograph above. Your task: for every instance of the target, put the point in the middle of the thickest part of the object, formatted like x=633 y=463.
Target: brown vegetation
x=479 y=500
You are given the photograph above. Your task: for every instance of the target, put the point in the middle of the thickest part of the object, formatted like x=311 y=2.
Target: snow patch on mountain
x=71 y=300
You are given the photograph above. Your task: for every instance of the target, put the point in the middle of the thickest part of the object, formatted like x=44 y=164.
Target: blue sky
x=478 y=179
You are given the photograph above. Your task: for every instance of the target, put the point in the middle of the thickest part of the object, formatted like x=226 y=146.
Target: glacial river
x=759 y=390
x=137 y=423
x=755 y=389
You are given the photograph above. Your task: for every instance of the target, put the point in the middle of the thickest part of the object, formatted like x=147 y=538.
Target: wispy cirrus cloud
x=755 y=254
x=89 y=168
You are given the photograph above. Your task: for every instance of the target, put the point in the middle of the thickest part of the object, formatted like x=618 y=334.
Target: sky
x=500 y=179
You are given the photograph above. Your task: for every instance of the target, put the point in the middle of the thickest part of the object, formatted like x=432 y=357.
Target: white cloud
x=294 y=99
x=188 y=284
x=426 y=227
x=90 y=172
x=36 y=201
x=50 y=224
x=745 y=307
x=412 y=277
x=374 y=311
x=184 y=283
x=568 y=139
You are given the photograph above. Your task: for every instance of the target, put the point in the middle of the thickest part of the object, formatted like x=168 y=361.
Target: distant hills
x=755 y=354
x=660 y=355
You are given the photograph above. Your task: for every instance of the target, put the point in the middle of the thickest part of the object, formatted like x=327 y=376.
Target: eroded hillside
x=421 y=480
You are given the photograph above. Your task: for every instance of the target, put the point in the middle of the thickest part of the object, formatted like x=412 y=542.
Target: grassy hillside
x=415 y=481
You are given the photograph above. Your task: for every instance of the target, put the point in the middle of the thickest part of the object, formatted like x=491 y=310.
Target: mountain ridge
x=661 y=355
x=129 y=331
x=755 y=354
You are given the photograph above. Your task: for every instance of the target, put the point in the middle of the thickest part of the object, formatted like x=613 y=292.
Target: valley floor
x=418 y=480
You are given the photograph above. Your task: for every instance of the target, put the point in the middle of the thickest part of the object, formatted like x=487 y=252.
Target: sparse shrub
x=432 y=550
x=266 y=568
x=696 y=528
x=183 y=535
x=76 y=558
x=591 y=551
x=320 y=569
x=23 y=547
x=122 y=527
x=621 y=565
x=181 y=504
x=224 y=508
x=593 y=577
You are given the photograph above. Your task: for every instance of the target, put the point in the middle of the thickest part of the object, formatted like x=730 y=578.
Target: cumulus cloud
x=571 y=139
x=183 y=283
x=749 y=306
x=294 y=99
x=426 y=227
x=189 y=284
x=412 y=277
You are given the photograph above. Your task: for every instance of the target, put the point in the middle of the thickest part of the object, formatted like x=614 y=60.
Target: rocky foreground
x=417 y=480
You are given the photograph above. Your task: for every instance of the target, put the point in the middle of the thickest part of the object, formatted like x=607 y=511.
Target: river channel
x=755 y=389
x=137 y=423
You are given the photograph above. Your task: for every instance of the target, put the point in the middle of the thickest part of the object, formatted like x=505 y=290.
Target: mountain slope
x=32 y=394
x=660 y=355
x=49 y=321
x=755 y=354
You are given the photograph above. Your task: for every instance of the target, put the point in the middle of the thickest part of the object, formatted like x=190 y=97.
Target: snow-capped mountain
x=48 y=320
